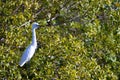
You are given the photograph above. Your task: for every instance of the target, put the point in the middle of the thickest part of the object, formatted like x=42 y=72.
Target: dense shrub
x=78 y=39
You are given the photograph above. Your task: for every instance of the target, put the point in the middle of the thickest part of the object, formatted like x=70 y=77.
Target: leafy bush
x=77 y=39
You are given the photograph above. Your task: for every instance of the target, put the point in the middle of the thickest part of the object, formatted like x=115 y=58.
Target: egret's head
x=35 y=25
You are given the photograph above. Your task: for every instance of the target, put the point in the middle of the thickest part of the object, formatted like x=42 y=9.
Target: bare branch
x=39 y=11
x=15 y=11
x=28 y=22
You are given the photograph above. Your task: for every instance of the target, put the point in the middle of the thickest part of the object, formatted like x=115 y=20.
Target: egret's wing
x=28 y=53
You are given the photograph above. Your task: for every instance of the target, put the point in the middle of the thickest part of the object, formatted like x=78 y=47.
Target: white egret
x=30 y=50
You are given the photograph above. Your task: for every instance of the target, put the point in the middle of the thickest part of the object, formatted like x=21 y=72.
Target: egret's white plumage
x=29 y=52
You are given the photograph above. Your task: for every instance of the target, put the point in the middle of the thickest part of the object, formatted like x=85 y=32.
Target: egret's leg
x=28 y=65
x=28 y=68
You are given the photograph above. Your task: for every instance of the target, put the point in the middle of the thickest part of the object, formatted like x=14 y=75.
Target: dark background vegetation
x=78 y=39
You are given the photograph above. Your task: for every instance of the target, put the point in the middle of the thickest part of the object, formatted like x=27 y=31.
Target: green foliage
x=78 y=39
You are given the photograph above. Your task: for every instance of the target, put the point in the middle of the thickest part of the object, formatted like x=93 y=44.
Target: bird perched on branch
x=30 y=50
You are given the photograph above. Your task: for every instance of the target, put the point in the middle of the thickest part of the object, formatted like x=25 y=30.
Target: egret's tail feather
x=21 y=63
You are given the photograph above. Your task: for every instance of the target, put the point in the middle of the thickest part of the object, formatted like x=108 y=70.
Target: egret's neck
x=34 y=42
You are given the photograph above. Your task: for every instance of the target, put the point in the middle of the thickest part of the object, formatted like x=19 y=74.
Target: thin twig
x=39 y=11
x=14 y=12
x=25 y=23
